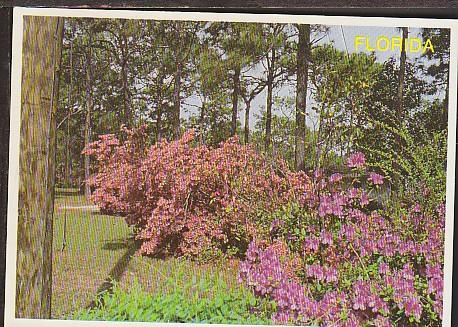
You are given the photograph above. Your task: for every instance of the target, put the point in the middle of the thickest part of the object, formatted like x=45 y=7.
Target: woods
x=209 y=75
x=314 y=171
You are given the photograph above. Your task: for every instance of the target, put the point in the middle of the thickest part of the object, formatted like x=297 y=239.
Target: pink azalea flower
x=356 y=160
x=412 y=307
x=364 y=199
x=376 y=179
x=334 y=178
x=383 y=268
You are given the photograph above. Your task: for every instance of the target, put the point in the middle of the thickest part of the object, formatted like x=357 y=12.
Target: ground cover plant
x=197 y=301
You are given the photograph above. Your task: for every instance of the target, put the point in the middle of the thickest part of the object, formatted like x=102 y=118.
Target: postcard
x=230 y=169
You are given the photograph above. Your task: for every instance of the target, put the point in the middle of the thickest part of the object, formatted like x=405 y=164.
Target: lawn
x=99 y=249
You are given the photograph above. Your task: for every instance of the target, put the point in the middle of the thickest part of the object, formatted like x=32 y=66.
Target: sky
x=343 y=38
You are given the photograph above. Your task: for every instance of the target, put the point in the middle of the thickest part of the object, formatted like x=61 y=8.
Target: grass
x=99 y=249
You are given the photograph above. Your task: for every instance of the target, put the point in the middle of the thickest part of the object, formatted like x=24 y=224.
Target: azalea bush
x=188 y=199
x=337 y=260
x=324 y=250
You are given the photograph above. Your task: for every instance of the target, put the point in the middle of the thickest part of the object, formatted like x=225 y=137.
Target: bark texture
x=303 y=55
x=235 y=99
x=402 y=73
x=88 y=119
x=41 y=58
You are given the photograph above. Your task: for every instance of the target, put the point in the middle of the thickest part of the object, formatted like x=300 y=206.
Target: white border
x=13 y=177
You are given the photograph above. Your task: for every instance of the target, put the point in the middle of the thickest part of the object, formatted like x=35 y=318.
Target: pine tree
x=303 y=58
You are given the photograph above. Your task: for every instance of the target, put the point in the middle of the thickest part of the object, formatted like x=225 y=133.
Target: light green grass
x=100 y=248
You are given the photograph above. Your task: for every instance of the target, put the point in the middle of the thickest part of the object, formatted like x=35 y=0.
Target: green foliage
x=341 y=83
x=427 y=170
x=198 y=301
x=414 y=166
x=380 y=108
x=439 y=69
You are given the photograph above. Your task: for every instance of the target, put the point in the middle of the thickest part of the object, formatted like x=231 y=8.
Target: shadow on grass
x=118 y=243
x=66 y=192
x=119 y=268
x=114 y=246
x=105 y=213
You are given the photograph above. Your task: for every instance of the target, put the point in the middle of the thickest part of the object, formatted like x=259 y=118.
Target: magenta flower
x=356 y=160
x=316 y=271
x=276 y=223
x=364 y=199
x=312 y=243
x=325 y=206
x=353 y=193
x=334 y=178
x=331 y=275
x=412 y=307
x=416 y=208
x=281 y=317
x=359 y=303
x=318 y=173
x=326 y=237
x=382 y=321
x=376 y=179
x=383 y=269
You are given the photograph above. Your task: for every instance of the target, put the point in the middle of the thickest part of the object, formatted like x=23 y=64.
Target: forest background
x=224 y=79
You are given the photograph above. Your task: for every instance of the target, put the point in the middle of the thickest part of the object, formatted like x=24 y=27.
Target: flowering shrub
x=336 y=261
x=318 y=247
x=189 y=200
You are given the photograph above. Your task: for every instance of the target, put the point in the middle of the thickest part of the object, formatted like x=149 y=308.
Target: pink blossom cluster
x=355 y=265
x=185 y=199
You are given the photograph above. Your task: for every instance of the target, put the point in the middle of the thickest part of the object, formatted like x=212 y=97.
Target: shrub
x=189 y=200
x=338 y=261
x=415 y=162
x=209 y=303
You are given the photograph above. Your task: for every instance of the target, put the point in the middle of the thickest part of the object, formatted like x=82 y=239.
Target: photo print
x=234 y=169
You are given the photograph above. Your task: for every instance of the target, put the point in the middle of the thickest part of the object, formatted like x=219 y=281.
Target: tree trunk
x=235 y=99
x=319 y=137
x=202 y=121
x=128 y=121
x=402 y=72
x=159 y=110
x=350 y=128
x=68 y=159
x=447 y=94
x=42 y=46
x=247 y=121
x=125 y=95
x=87 y=123
x=68 y=168
x=177 y=101
x=303 y=55
x=270 y=86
